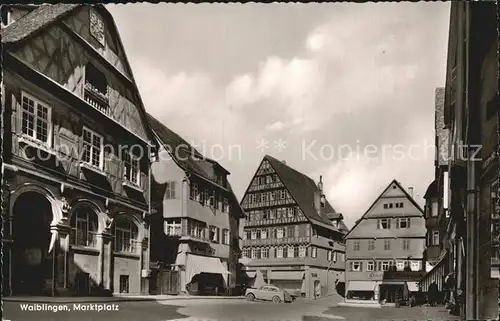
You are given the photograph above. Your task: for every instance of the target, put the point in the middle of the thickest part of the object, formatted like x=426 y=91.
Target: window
x=400 y=265
x=96 y=89
x=290 y=252
x=434 y=208
x=225 y=236
x=355 y=266
x=248 y=235
x=401 y=205
x=415 y=266
x=403 y=222
x=279 y=233
x=384 y=224
x=214 y=234
x=225 y=206
x=341 y=257
x=84 y=228
x=263 y=234
x=206 y=198
x=92 y=148
x=131 y=171
x=283 y=194
x=279 y=252
x=386 y=206
x=246 y=253
x=302 y=251
x=290 y=231
x=173 y=228
x=265 y=253
x=194 y=192
x=387 y=245
x=170 y=191
x=385 y=265
x=390 y=205
x=256 y=253
x=36 y=119
x=406 y=244
x=329 y=255
x=355 y=245
x=126 y=234
x=371 y=245
x=124 y=284
x=370 y=266
x=314 y=252
x=435 y=237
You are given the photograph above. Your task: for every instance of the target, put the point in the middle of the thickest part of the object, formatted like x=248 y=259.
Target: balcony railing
x=97 y=99
x=83 y=239
x=276 y=241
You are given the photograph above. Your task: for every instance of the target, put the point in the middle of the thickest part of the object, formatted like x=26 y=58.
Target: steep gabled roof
x=187 y=157
x=408 y=196
x=34 y=21
x=47 y=14
x=302 y=188
x=432 y=190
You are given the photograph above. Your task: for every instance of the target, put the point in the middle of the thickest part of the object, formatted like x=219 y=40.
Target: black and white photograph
x=250 y=161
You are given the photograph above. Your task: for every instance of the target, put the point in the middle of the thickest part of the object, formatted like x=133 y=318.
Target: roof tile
x=302 y=189
x=35 y=20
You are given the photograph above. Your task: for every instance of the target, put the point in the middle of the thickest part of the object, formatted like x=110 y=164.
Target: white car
x=268 y=293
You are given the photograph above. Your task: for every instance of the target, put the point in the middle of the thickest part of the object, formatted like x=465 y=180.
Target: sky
x=341 y=90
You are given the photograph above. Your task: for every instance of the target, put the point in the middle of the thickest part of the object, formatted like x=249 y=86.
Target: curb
x=359 y=305
x=117 y=299
x=321 y=317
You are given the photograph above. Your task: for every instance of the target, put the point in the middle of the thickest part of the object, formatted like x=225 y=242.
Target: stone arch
x=94 y=207
x=57 y=214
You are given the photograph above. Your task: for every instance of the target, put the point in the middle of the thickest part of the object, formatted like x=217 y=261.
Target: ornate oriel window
x=126 y=234
x=84 y=227
x=97 y=27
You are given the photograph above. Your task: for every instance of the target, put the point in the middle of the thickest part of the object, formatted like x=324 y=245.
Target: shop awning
x=412 y=286
x=251 y=274
x=393 y=282
x=361 y=286
x=197 y=264
x=286 y=275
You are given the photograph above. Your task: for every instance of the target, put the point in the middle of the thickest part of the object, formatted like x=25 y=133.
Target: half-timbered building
x=76 y=155
x=289 y=238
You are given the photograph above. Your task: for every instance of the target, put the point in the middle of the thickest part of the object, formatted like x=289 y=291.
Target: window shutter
x=172 y=190
x=397 y=223
x=389 y=223
x=409 y=220
x=360 y=266
x=378 y=224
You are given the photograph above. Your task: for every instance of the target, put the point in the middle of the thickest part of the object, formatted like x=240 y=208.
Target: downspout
x=471 y=198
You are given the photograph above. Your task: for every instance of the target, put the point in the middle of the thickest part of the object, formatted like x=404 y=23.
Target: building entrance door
x=31 y=263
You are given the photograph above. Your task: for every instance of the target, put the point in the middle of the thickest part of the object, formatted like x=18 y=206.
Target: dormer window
x=96 y=88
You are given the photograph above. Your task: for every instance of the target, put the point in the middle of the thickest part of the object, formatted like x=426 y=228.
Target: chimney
x=410 y=191
x=319 y=197
x=284 y=162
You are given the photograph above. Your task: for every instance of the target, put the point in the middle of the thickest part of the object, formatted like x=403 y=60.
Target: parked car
x=268 y=293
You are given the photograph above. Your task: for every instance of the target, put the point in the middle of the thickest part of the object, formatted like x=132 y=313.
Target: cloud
x=368 y=73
